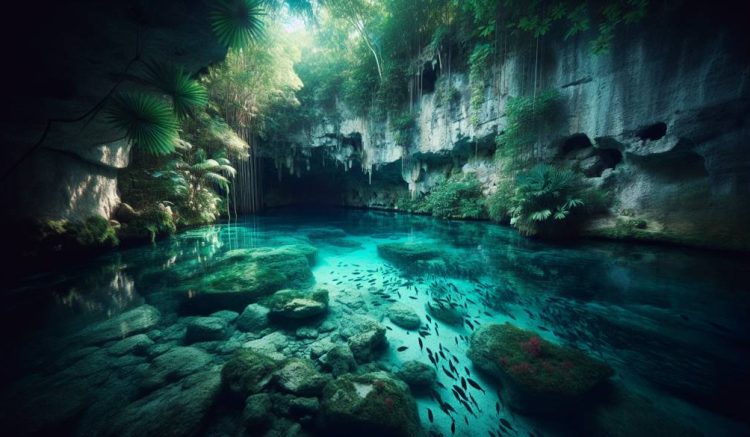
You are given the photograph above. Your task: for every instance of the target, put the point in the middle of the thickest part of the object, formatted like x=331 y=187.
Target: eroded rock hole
x=429 y=77
x=652 y=132
x=576 y=142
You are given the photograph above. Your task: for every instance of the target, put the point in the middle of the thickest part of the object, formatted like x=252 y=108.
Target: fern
x=187 y=94
x=237 y=23
x=147 y=120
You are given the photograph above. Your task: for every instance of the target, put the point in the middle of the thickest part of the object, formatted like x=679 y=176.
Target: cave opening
x=575 y=142
x=430 y=73
x=652 y=132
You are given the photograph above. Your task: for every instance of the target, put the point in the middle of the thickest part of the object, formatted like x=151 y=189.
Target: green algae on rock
x=296 y=304
x=373 y=404
x=248 y=372
x=540 y=376
x=242 y=276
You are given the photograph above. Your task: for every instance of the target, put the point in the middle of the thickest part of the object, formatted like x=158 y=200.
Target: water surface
x=672 y=322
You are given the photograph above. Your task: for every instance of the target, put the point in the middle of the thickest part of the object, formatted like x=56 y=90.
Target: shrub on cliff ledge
x=459 y=196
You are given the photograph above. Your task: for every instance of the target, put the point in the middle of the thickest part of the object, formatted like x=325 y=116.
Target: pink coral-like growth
x=533 y=346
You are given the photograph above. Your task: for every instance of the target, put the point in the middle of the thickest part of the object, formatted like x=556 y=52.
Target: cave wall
x=661 y=120
x=60 y=155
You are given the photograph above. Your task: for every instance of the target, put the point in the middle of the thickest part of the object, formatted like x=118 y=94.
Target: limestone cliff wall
x=663 y=120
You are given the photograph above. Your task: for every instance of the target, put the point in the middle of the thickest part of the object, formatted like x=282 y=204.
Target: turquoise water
x=673 y=323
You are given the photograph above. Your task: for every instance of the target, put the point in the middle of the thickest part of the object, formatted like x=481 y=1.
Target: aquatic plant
x=94 y=231
x=236 y=23
x=147 y=120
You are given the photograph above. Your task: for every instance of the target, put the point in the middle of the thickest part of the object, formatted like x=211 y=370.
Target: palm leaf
x=207 y=165
x=187 y=94
x=147 y=120
x=236 y=23
x=217 y=179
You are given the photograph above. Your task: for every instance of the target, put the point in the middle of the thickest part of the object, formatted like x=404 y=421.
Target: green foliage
x=459 y=196
x=545 y=197
x=479 y=63
x=95 y=231
x=187 y=94
x=445 y=93
x=528 y=121
x=147 y=120
x=151 y=223
x=237 y=23
x=403 y=125
x=499 y=203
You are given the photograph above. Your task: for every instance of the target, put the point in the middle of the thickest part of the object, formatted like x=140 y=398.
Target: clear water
x=672 y=322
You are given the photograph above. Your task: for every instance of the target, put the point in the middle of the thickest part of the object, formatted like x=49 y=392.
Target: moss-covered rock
x=418 y=375
x=540 y=376
x=445 y=311
x=373 y=404
x=404 y=316
x=296 y=304
x=243 y=276
x=300 y=377
x=405 y=253
x=248 y=372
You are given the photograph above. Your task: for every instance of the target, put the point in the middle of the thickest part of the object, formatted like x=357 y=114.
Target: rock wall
x=662 y=120
x=60 y=154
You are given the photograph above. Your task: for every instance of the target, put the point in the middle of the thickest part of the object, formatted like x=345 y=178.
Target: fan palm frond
x=236 y=23
x=217 y=179
x=187 y=94
x=147 y=120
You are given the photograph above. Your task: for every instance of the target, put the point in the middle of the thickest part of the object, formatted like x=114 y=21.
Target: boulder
x=254 y=318
x=295 y=304
x=137 y=345
x=129 y=323
x=540 y=376
x=405 y=254
x=418 y=375
x=300 y=377
x=269 y=345
x=256 y=412
x=446 y=313
x=243 y=276
x=307 y=333
x=175 y=410
x=177 y=363
x=365 y=346
x=248 y=372
x=205 y=329
x=229 y=316
x=338 y=360
x=371 y=404
x=404 y=316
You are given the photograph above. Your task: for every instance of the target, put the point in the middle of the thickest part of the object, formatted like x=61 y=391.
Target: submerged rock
x=446 y=313
x=254 y=318
x=366 y=345
x=243 y=276
x=540 y=376
x=137 y=345
x=177 y=363
x=373 y=404
x=338 y=360
x=124 y=325
x=205 y=329
x=406 y=253
x=257 y=409
x=417 y=375
x=176 y=410
x=248 y=372
x=294 y=304
x=404 y=316
x=300 y=377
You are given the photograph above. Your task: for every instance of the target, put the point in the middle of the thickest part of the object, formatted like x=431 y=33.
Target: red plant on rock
x=533 y=346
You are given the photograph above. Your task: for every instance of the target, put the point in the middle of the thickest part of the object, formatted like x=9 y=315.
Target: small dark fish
x=512 y=316
x=456 y=338
x=389 y=328
x=542 y=328
x=469 y=324
x=466 y=419
x=497 y=407
x=506 y=424
x=453 y=427
x=433 y=360
x=720 y=327
x=440 y=384
x=448 y=373
x=463 y=383
x=428 y=318
x=530 y=313
x=412 y=297
x=467 y=371
x=442 y=355
x=402 y=348
x=429 y=415
x=421 y=345
x=475 y=385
